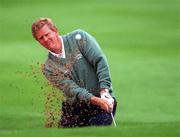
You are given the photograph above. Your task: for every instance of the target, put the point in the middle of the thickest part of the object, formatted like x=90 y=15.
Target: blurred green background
x=141 y=39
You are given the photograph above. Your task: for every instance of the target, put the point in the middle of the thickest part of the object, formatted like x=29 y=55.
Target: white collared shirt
x=62 y=54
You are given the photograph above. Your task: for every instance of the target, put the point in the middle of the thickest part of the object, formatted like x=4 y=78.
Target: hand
x=106 y=96
x=104 y=104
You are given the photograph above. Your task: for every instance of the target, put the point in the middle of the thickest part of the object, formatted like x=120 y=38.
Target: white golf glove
x=106 y=96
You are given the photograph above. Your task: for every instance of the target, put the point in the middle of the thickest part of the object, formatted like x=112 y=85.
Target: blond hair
x=38 y=24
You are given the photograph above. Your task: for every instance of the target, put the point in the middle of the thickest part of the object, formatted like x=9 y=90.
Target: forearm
x=71 y=89
x=67 y=85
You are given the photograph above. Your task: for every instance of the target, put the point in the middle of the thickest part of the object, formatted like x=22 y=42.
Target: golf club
x=113 y=120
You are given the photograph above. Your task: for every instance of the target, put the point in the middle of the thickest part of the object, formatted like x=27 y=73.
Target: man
x=77 y=66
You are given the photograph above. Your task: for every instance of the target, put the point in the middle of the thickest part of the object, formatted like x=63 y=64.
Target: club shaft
x=113 y=120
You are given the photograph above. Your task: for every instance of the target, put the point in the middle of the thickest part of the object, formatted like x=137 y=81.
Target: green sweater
x=83 y=72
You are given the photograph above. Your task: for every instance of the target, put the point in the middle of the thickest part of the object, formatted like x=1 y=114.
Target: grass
x=141 y=41
x=126 y=129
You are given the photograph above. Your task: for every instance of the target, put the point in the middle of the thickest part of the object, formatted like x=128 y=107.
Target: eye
x=47 y=34
x=41 y=38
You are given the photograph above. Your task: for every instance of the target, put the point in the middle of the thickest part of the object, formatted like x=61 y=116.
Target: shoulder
x=51 y=62
x=78 y=34
x=79 y=31
x=47 y=63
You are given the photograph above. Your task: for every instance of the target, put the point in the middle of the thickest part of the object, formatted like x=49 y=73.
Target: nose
x=45 y=38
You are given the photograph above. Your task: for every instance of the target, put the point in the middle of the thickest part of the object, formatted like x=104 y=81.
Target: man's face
x=48 y=38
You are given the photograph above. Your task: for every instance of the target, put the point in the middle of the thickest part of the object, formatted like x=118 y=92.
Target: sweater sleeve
x=93 y=53
x=64 y=82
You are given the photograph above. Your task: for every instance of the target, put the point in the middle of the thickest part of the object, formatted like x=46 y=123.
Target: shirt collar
x=62 y=54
